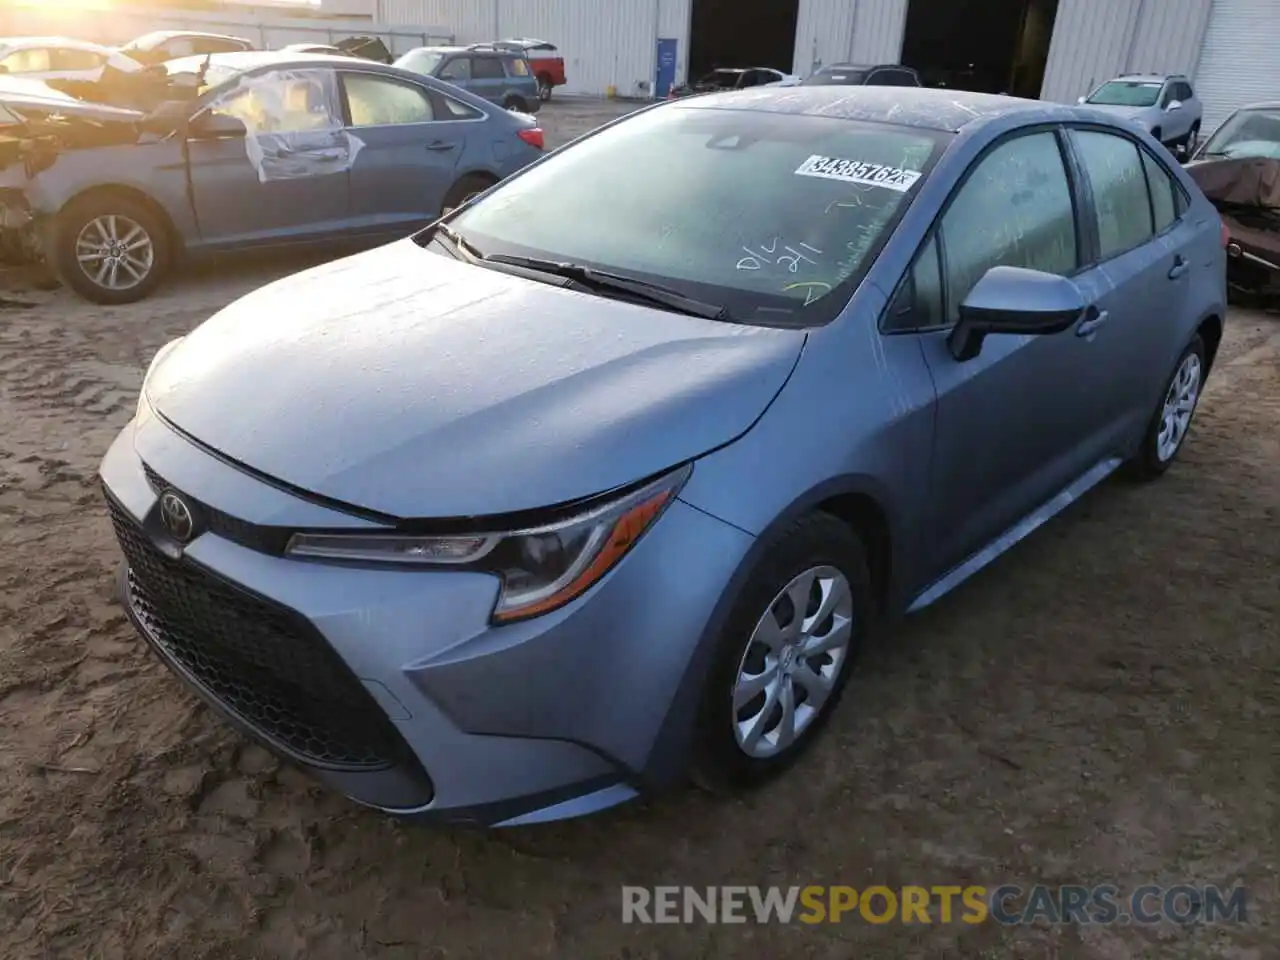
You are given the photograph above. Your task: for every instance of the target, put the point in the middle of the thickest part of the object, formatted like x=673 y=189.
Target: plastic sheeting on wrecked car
x=294 y=124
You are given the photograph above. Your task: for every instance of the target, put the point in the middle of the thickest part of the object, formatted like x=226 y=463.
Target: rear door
x=456 y=70
x=408 y=156
x=488 y=79
x=288 y=180
x=1141 y=264
x=1017 y=423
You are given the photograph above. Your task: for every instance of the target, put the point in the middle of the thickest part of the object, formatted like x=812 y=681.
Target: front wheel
x=1168 y=428
x=785 y=655
x=110 y=249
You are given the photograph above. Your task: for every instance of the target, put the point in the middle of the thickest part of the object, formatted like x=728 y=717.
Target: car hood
x=1129 y=113
x=410 y=384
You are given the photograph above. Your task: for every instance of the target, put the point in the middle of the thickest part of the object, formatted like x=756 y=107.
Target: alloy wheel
x=115 y=252
x=792 y=661
x=1179 y=406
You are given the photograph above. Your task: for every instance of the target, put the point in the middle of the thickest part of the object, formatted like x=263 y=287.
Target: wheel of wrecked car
x=1167 y=431
x=785 y=654
x=110 y=248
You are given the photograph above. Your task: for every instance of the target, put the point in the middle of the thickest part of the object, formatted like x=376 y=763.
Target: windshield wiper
x=602 y=281
x=456 y=240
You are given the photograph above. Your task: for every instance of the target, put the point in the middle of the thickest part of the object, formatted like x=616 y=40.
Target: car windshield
x=420 y=61
x=722 y=78
x=768 y=214
x=1127 y=93
x=1248 y=133
x=835 y=77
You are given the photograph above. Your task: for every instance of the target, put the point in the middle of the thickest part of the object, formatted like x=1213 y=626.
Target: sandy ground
x=1101 y=706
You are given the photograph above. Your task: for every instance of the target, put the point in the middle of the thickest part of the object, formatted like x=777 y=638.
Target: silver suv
x=1165 y=106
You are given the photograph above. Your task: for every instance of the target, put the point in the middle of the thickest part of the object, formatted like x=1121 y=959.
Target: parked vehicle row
x=264 y=149
x=516 y=575
x=1167 y=107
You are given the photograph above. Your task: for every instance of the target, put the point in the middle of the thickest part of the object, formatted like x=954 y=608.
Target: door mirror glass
x=216 y=126
x=1174 y=105
x=1081 y=99
x=1018 y=301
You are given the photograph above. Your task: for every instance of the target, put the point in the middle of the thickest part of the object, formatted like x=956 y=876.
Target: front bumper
x=391 y=686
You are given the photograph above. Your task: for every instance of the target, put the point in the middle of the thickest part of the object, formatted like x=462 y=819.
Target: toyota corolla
x=598 y=482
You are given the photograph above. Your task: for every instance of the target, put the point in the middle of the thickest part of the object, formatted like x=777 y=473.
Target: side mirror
x=1017 y=301
x=216 y=126
x=1081 y=99
x=1174 y=105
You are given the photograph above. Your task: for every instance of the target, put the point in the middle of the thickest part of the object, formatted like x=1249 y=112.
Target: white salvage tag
x=856 y=171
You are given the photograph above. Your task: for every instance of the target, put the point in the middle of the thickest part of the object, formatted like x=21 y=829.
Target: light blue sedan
x=273 y=149
x=602 y=480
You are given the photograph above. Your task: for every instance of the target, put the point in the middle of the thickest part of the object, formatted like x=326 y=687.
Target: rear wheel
x=469 y=186
x=1171 y=422
x=515 y=103
x=544 y=87
x=110 y=249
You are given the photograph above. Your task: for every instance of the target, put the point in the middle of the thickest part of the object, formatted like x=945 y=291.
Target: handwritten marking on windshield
x=756 y=259
x=814 y=289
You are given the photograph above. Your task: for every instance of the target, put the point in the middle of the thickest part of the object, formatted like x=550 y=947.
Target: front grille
x=262 y=662
x=272 y=540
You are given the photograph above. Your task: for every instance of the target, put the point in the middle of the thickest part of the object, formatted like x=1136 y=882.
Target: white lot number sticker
x=856 y=171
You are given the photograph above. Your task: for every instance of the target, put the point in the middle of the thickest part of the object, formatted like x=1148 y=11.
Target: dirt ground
x=1102 y=706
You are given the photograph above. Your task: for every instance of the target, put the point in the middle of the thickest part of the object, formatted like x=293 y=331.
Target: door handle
x=1092 y=321
x=441 y=145
x=1180 y=266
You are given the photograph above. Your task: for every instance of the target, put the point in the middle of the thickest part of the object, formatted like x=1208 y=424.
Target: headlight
x=541 y=569
x=160 y=355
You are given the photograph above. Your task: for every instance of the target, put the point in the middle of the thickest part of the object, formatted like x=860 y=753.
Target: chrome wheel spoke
x=752 y=732
x=785 y=732
x=834 y=639
x=750 y=687
x=817 y=686
x=115 y=251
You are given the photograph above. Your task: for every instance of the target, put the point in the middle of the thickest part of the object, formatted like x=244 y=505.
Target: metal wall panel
x=1091 y=39
x=1239 y=62
x=604 y=44
x=1169 y=36
x=835 y=31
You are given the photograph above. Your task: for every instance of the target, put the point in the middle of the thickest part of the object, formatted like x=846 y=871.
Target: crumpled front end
x=19 y=233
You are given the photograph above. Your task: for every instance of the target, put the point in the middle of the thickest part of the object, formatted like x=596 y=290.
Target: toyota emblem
x=177 y=516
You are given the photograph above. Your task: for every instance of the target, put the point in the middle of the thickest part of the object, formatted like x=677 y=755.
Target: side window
x=918 y=304
x=1185 y=92
x=1014 y=210
x=65 y=58
x=292 y=103
x=1164 y=193
x=458 y=68
x=379 y=101
x=487 y=68
x=890 y=78
x=517 y=67
x=180 y=47
x=454 y=110
x=31 y=60
x=1169 y=95
x=1113 y=165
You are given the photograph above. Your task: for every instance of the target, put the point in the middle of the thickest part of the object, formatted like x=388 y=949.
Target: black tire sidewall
x=465 y=187
x=79 y=214
x=515 y=103
x=1148 y=463
x=817 y=539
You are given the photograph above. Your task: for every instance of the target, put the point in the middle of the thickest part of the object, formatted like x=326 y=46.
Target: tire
x=515 y=103
x=464 y=190
x=1156 y=456
x=84 y=228
x=545 y=87
x=725 y=760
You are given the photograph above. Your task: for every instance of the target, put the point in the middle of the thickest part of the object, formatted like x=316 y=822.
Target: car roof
x=1261 y=105
x=476 y=51
x=1148 y=77
x=242 y=61
x=171 y=34
x=923 y=107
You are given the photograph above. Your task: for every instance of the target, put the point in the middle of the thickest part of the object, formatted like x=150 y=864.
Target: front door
x=1017 y=423
x=288 y=179
x=408 y=158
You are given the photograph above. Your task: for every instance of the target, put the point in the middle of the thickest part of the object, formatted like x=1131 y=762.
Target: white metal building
x=1229 y=47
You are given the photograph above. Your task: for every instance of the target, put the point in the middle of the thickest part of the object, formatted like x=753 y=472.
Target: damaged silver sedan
x=237 y=152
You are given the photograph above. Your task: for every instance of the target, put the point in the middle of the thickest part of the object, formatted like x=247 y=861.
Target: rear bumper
x=458 y=721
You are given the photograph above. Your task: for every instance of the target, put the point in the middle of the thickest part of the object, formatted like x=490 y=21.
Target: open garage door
x=1240 y=62
x=845 y=31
